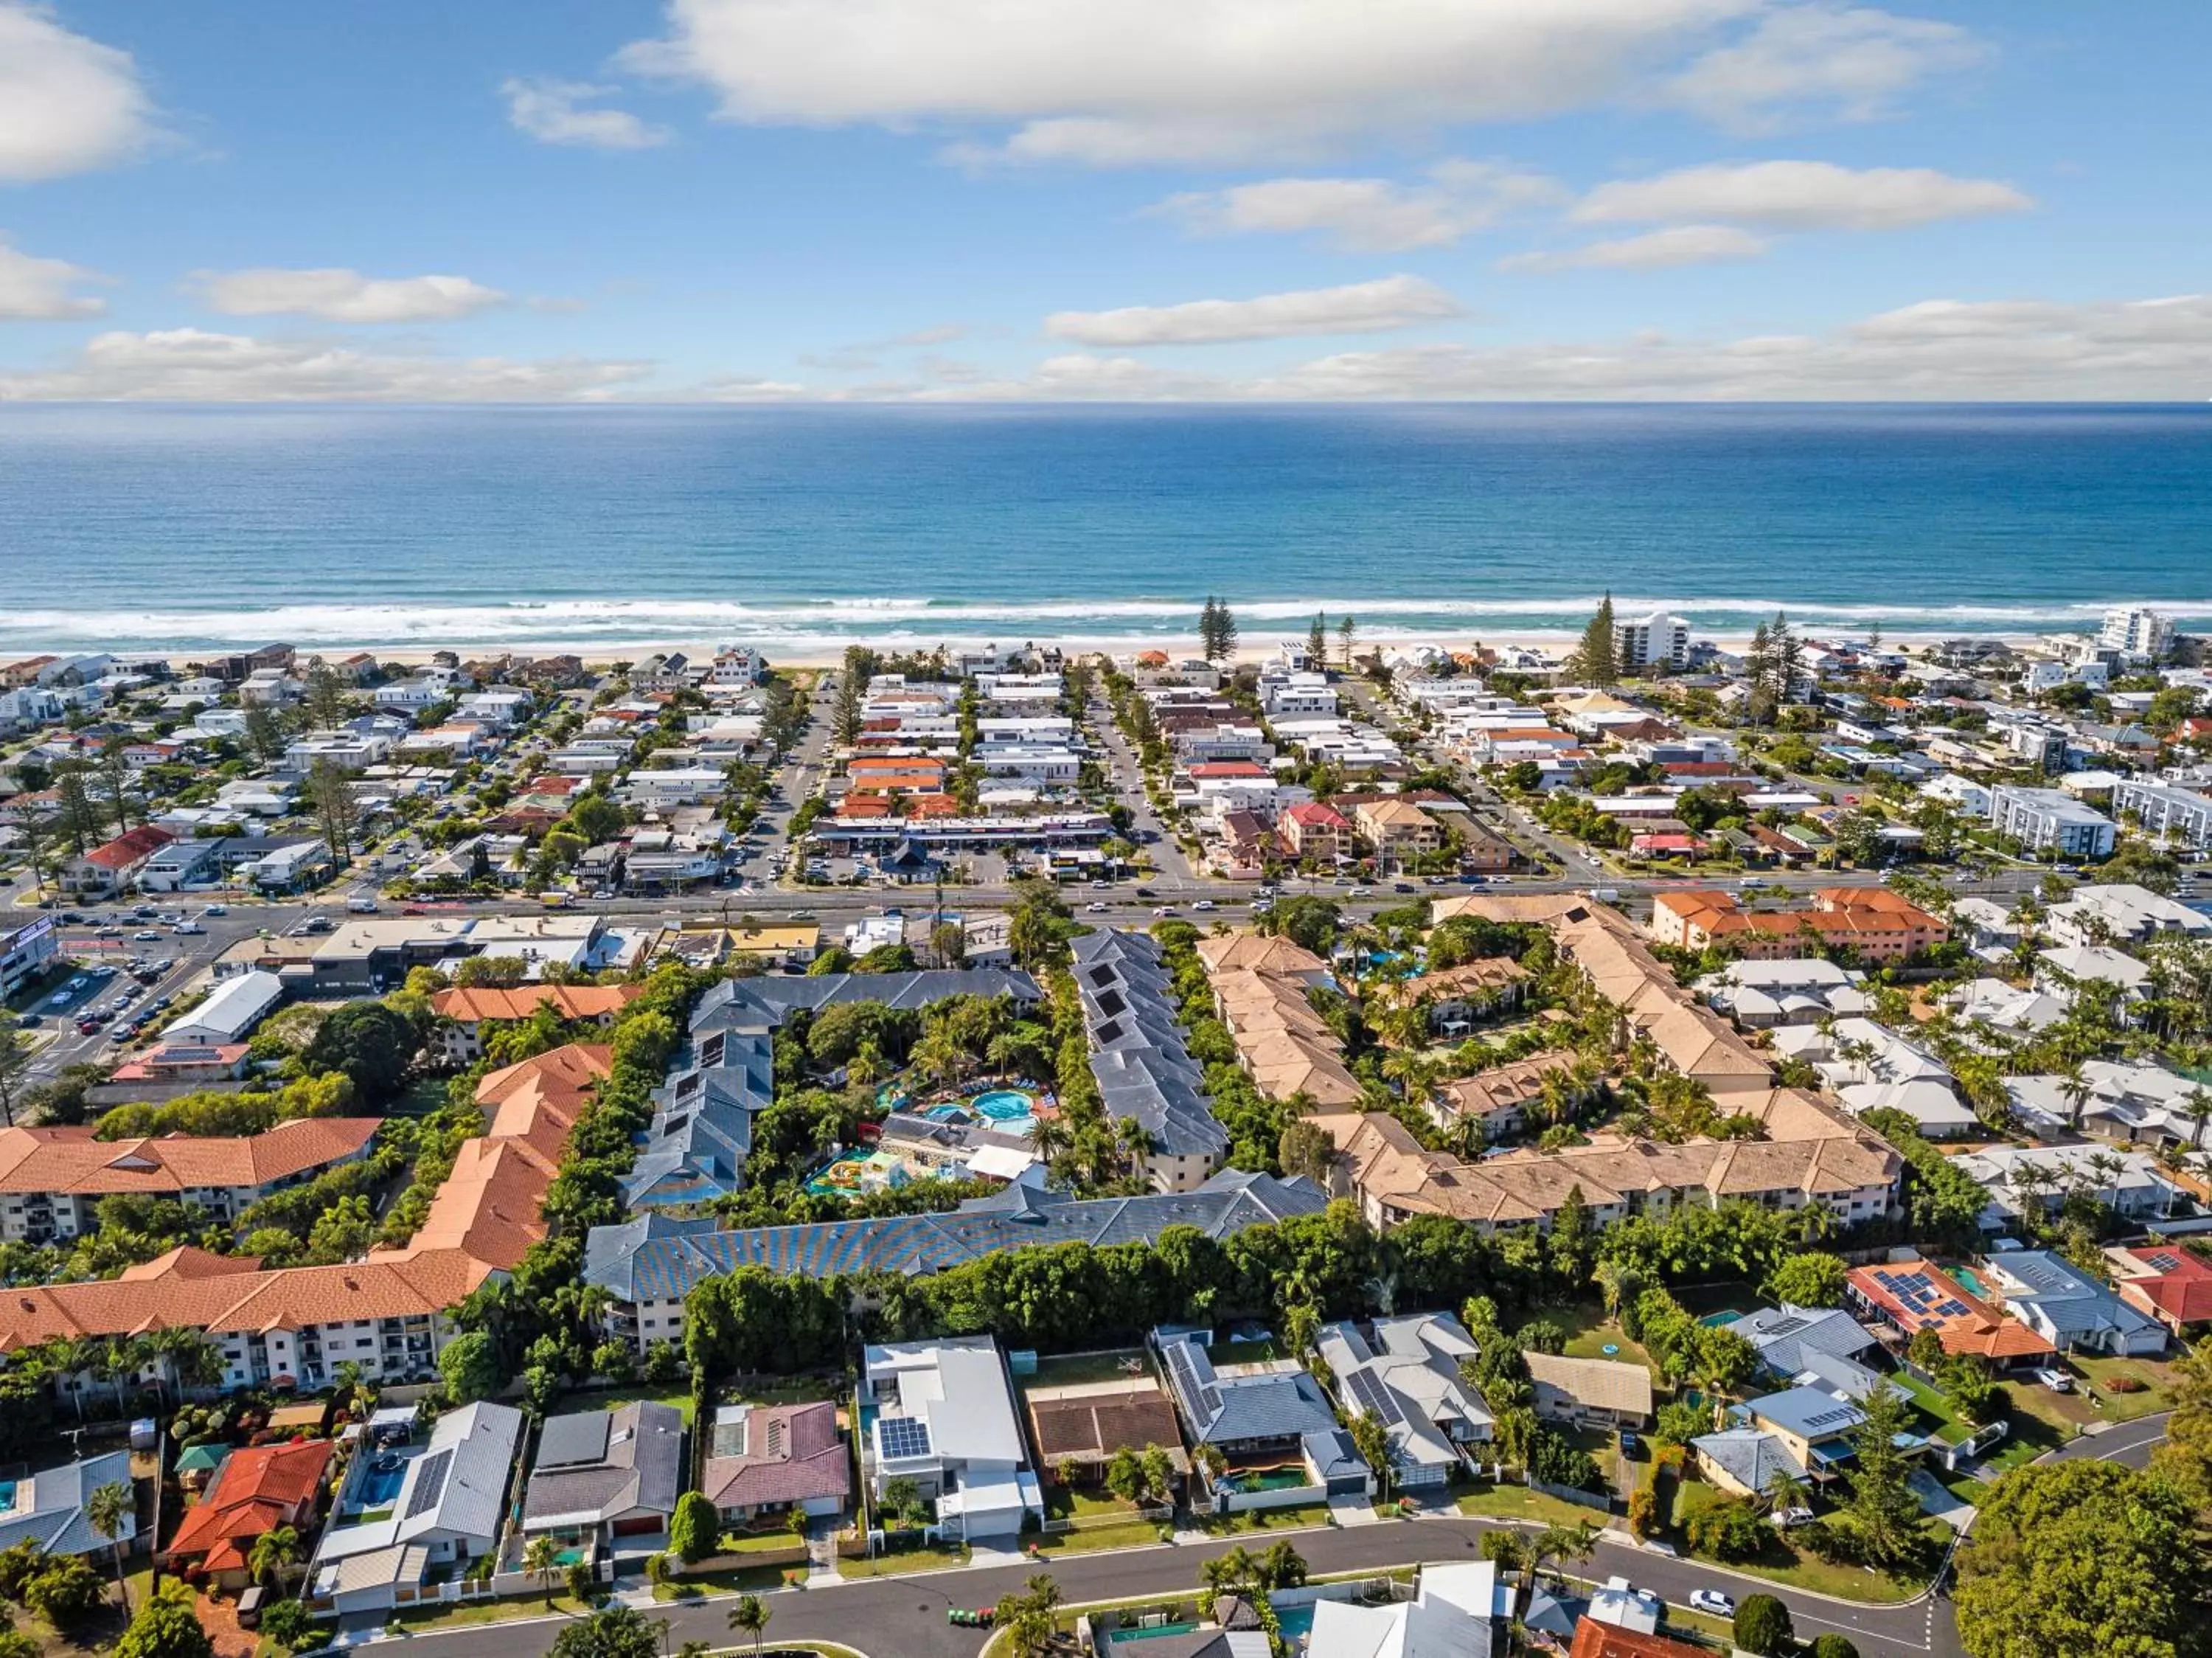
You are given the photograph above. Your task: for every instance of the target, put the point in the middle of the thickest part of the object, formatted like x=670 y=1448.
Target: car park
x=1712 y=1603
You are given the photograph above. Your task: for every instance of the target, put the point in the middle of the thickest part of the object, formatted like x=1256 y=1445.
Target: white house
x=945 y=1419
x=1408 y=1375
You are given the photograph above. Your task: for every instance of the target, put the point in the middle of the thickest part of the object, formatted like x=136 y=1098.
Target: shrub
x=1762 y=1626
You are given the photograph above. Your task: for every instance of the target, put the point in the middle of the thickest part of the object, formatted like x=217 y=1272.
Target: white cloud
x=66 y=104
x=1801 y=196
x=33 y=289
x=1367 y=216
x=1147 y=82
x=1850 y=61
x=1357 y=307
x=551 y=111
x=1657 y=250
x=341 y=296
x=189 y=365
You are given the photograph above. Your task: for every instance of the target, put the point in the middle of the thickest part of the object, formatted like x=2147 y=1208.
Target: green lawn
x=758 y=1542
x=609 y=1398
x=1078 y=1368
x=1249 y=1352
x=1519 y=1503
x=1590 y=1333
x=744 y=1580
x=1132 y=1534
x=1783 y=1562
x=2157 y=1394
x=1941 y=1422
x=416 y=1619
x=906 y=1560
x=1266 y=1519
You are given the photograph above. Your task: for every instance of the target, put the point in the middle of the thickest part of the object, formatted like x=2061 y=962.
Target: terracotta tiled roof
x=1980 y=1329
x=126 y=849
x=791 y=1453
x=471 y=1006
x=72 y=1160
x=259 y=1490
x=1594 y=1638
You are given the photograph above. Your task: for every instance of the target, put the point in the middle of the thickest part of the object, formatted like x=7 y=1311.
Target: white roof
x=237 y=1006
x=959 y=1388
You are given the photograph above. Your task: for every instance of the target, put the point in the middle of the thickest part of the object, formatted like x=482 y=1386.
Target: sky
x=760 y=200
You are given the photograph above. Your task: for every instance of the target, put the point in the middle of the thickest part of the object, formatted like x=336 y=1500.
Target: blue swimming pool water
x=1121 y=1638
x=380 y=1486
x=1003 y=1105
x=1972 y=1281
x=1296 y=1622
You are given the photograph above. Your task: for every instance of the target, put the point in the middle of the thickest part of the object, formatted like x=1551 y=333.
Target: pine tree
x=1346 y=630
x=1224 y=632
x=1317 y=641
x=1789 y=657
x=1596 y=660
x=1209 y=628
x=1759 y=661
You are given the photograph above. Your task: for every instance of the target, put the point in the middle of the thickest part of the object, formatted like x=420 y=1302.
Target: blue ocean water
x=185 y=528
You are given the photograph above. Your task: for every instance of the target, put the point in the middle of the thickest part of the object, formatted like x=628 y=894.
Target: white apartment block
x=2179 y=814
x=2051 y=820
x=2137 y=631
x=1654 y=641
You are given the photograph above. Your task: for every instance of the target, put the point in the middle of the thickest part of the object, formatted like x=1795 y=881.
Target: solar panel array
x=1842 y=1416
x=430 y=1483
x=1183 y=1364
x=2164 y=1262
x=1368 y=1389
x=901 y=1437
x=1917 y=1293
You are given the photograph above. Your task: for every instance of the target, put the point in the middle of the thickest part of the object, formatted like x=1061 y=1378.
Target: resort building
x=1287 y=1049
x=1872 y=921
x=1144 y=1070
x=463 y=1014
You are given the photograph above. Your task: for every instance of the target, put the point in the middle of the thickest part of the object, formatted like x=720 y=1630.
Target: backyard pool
x=380 y=1486
x=1121 y=1637
x=1297 y=1623
x=1972 y=1282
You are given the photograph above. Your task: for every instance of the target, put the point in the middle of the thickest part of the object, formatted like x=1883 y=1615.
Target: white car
x=1712 y=1602
x=2057 y=1380
x=1788 y=1519
x=216 y=910
x=1094 y=908
x=1203 y=904
x=1163 y=909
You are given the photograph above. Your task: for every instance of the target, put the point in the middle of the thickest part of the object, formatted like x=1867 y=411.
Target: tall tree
x=1883 y=1512
x=1317 y=641
x=325 y=696
x=264 y=732
x=110 y=1508
x=1209 y=628
x=1596 y=659
x=1225 y=626
x=1789 y=657
x=1347 y=631
x=115 y=773
x=80 y=820
x=338 y=815
x=14 y=1070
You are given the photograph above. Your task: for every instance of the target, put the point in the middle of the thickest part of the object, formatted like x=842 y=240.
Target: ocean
x=185 y=528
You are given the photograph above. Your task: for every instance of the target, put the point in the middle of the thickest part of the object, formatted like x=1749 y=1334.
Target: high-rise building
x=2137 y=631
x=1653 y=641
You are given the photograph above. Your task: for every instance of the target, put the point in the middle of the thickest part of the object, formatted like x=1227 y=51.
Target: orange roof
x=864 y=805
x=933 y=806
x=569 y=1001
x=257 y=1490
x=1597 y=1639
x=125 y=850
x=1980 y=1329
x=893 y=763
x=70 y=1160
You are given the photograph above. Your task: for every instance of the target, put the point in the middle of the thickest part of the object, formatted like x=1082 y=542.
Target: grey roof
x=1409 y=1377
x=764 y=1003
x=1231 y=1410
x=595 y=1465
x=458 y=1483
x=1751 y=1455
x=1808 y=1413
x=53 y=1514
x=659 y=1257
x=1143 y=1068
x=1332 y=1451
x=2076 y=1306
x=1784 y=1334
x=703 y=1131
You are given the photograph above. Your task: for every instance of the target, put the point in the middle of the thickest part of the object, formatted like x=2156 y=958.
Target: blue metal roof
x=659 y=1257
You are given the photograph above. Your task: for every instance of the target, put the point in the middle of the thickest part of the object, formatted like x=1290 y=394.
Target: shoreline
x=828 y=653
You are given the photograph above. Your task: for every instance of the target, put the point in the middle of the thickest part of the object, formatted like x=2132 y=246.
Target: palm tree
x=749 y=1617
x=1785 y=1490
x=110 y=1508
x=1050 y=1138
x=1136 y=1143
x=2197 y=1108
x=68 y=1357
x=541 y=1559
x=2108 y=1169
x=121 y=1358
x=2077 y=1091
x=273 y=1550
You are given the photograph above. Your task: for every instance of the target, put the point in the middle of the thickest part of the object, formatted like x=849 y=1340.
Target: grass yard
x=1590 y=1333
x=416 y=1619
x=1266 y=1519
x=906 y=1560
x=1519 y=1503
x=1249 y=1352
x=2156 y=1374
x=744 y=1580
x=1077 y=1368
x=609 y=1398
x=1131 y=1534
x=1783 y=1562
x=1941 y=1423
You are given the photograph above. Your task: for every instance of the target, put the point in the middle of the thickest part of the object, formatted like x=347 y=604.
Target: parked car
x=1789 y=1519
x=1712 y=1603
x=2057 y=1380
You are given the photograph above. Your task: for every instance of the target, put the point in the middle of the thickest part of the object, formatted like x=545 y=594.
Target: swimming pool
x=380 y=1486
x=1004 y=1104
x=1121 y=1637
x=1296 y=1622
x=1972 y=1282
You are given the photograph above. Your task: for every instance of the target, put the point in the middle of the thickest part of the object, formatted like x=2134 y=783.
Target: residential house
x=1244 y=1411
x=1791 y=1340
x=1088 y=1423
x=2166 y=1282
x=47 y=1509
x=450 y=1509
x=1746 y=1462
x=1455 y=1612
x=1590 y=1393
x=1407 y=1372
x=112 y=868
x=1760 y=995
x=944 y=1417
x=765 y=1459
x=2067 y=1308
x=1903 y=1298
x=602 y=1475
x=1814 y=1425
x=1597 y=1637
x=259 y=1490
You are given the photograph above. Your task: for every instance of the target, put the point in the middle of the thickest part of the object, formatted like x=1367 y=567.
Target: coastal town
x=1629 y=1147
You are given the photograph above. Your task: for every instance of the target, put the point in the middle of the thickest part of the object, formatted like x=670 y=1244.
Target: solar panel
x=430 y=1483
x=1368 y=1389
x=2164 y=1262
x=901 y=1437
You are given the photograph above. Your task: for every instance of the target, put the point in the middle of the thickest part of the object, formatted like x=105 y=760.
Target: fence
x=1602 y=1502
x=1141 y=1511
x=1284 y=1497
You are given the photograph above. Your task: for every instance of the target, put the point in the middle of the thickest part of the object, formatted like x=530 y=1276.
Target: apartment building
x=1873 y=922
x=2052 y=820
x=2181 y=815
x=464 y=1014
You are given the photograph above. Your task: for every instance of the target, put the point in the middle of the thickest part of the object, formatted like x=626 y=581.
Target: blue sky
x=1159 y=199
